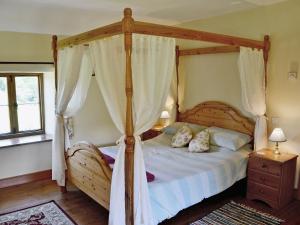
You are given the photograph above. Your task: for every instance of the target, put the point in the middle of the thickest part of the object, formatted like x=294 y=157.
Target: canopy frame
x=127 y=27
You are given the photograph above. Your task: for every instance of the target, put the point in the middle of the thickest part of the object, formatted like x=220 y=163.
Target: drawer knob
x=264 y=166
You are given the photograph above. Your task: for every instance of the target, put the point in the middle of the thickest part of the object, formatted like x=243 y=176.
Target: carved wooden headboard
x=218 y=114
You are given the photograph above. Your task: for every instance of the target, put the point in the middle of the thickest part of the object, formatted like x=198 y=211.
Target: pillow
x=196 y=128
x=173 y=128
x=200 y=143
x=228 y=138
x=182 y=137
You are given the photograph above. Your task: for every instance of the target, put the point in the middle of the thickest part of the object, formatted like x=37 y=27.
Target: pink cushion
x=110 y=160
x=150 y=177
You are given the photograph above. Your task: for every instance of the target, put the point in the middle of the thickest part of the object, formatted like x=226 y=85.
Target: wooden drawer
x=263 y=178
x=263 y=192
x=266 y=166
x=271 y=177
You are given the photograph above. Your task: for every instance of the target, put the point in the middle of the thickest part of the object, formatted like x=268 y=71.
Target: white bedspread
x=183 y=179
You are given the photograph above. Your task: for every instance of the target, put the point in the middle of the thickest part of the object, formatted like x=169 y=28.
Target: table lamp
x=164 y=118
x=277 y=136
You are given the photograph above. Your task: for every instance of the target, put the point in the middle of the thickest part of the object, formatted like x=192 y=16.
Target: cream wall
x=24 y=159
x=281 y=21
x=212 y=77
x=25 y=47
x=30 y=158
x=92 y=123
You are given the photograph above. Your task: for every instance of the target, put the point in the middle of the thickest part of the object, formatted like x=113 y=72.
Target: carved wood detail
x=213 y=113
x=127 y=24
x=88 y=170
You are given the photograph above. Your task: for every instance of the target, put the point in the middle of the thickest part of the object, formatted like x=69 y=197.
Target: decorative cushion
x=228 y=138
x=200 y=143
x=182 y=137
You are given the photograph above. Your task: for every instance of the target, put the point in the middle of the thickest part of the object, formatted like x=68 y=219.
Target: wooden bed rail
x=189 y=34
x=209 y=50
x=160 y=30
x=98 y=33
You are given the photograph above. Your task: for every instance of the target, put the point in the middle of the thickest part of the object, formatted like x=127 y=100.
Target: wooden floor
x=87 y=212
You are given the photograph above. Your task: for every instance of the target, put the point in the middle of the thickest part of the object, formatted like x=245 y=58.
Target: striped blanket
x=183 y=179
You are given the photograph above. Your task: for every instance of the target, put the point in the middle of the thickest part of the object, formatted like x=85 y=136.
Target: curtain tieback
x=257 y=117
x=60 y=117
x=121 y=140
x=138 y=139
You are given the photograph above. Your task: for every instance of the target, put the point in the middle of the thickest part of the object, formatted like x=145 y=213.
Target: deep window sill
x=17 y=141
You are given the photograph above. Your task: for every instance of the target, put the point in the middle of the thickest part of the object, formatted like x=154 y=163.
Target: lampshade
x=165 y=115
x=277 y=135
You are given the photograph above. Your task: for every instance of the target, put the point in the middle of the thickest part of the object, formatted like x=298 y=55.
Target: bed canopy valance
x=133 y=120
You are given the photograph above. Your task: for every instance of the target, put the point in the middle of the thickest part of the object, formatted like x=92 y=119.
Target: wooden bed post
x=177 y=77
x=127 y=25
x=266 y=50
x=54 y=50
x=63 y=189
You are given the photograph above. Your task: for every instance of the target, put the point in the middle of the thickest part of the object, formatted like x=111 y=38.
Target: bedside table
x=271 y=177
x=152 y=133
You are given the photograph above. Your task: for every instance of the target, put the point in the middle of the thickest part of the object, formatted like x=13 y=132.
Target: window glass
x=28 y=100
x=4 y=107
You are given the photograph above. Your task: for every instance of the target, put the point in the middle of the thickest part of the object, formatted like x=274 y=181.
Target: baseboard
x=26 y=178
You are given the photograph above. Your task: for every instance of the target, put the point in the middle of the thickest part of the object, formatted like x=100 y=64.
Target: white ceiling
x=66 y=17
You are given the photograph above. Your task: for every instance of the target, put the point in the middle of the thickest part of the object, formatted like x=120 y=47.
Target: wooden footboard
x=87 y=170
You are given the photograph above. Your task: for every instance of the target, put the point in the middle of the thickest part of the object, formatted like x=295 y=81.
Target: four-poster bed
x=86 y=167
x=90 y=172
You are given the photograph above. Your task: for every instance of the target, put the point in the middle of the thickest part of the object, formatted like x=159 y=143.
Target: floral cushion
x=200 y=142
x=182 y=137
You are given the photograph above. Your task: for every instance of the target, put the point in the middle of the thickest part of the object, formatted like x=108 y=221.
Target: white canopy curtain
x=153 y=61
x=69 y=69
x=108 y=58
x=80 y=93
x=170 y=104
x=252 y=75
x=181 y=86
x=153 y=67
x=176 y=93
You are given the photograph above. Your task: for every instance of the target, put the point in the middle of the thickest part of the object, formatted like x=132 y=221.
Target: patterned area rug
x=44 y=214
x=237 y=214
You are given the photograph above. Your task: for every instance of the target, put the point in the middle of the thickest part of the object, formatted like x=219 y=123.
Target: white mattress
x=183 y=179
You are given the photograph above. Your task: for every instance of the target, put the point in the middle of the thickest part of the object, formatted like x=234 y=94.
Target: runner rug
x=237 y=214
x=48 y=213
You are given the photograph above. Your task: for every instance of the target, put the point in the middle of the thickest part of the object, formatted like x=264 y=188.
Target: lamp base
x=276 y=150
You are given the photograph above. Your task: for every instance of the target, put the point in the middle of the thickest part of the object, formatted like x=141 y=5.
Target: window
x=21 y=104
